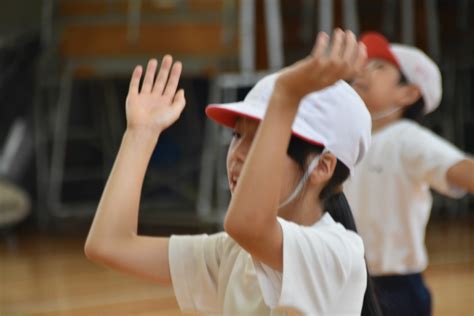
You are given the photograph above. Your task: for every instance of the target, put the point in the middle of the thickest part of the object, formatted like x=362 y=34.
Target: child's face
x=379 y=86
x=244 y=133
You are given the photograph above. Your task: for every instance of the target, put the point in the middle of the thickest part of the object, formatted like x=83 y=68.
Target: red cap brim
x=378 y=47
x=227 y=116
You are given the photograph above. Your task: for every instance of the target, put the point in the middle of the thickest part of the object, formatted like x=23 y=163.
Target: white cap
x=415 y=65
x=420 y=70
x=335 y=118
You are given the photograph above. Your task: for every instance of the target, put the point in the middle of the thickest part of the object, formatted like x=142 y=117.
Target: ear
x=408 y=95
x=324 y=170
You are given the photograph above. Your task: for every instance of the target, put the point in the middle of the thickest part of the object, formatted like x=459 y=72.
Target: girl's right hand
x=343 y=60
x=157 y=105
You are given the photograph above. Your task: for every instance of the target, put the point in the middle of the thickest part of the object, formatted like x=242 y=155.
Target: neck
x=303 y=211
x=378 y=124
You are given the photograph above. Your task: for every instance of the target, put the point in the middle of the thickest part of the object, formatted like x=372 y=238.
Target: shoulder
x=412 y=131
x=413 y=137
x=404 y=129
x=320 y=261
x=325 y=236
x=417 y=140
x=343 y=239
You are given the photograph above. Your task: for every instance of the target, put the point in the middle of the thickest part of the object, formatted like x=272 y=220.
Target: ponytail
x=338 y=207
x=335 y=203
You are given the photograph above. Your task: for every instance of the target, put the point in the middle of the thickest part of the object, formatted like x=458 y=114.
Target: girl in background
x=390 y=190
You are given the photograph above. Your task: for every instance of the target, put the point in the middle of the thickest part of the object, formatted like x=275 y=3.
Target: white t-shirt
x=389 y=193
x=324 y=273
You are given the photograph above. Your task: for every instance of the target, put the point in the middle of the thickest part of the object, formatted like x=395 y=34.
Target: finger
x=350 y=47
x=321 y=45
x=135 y=80
x=338 y=38
x=163 y=74
x=149 y=76
x=361 y=58
x=173 y=81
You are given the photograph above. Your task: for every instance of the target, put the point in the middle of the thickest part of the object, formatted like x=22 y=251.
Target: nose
x=364 y=77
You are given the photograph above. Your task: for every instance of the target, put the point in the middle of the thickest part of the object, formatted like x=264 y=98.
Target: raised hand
x=156 y=105
x=343 y=60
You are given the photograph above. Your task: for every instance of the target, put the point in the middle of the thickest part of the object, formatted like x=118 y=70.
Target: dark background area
x=34 y=58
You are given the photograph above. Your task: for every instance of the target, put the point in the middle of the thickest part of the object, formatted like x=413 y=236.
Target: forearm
x=256 y=198
x=116 y=217
x=462 y=175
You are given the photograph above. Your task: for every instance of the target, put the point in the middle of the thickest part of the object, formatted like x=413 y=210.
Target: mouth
x=234 y=178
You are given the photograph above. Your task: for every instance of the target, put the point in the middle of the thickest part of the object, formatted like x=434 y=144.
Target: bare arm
x=252 y=215
x=113 y=239
x=462 y=175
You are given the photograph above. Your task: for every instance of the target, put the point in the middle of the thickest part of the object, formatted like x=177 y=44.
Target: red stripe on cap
x=225 y=116
x=228 y=118
x=378 y=47
x=308 y=140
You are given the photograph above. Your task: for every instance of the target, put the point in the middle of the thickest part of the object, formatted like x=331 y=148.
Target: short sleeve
x=316 y=267
x=194 y=266
x=427 y=158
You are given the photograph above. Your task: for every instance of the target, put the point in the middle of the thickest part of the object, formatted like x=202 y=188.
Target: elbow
x=93 y=252
x=230 y=228
x=99 y=251
x=105 y=250
x=232 y=225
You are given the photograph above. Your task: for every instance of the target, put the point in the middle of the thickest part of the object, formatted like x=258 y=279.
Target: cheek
x=291 y=177
x=229 y=157
x=379 y=96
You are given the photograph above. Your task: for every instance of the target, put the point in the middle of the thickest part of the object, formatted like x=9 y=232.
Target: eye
x=379 y=65
x=236 y=135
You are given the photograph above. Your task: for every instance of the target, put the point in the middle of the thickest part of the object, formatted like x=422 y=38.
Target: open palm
x=156 y=105
x=344 y=59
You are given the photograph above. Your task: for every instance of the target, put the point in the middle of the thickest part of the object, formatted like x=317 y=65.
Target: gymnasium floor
x=49 y=275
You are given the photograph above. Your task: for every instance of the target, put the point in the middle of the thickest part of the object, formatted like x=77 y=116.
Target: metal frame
x=325 y=17
x=51 y=120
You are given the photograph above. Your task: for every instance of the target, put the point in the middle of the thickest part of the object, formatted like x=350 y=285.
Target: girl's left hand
x=156 y=105
x=344 y=60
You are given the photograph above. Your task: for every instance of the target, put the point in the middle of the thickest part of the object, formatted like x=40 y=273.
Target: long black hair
x=335 y=203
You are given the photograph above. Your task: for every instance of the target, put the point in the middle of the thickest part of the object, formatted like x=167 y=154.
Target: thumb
x=179 y=102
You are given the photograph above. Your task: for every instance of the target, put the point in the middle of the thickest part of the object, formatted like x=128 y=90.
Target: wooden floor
x=48 y=275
